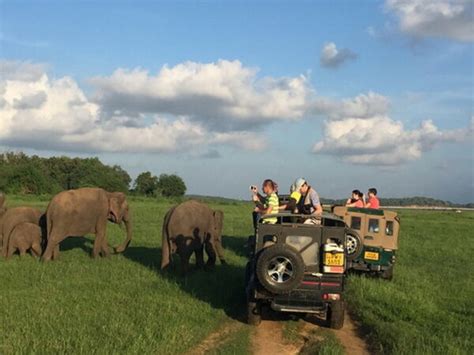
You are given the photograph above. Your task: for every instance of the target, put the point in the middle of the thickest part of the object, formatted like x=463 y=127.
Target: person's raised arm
x=318 y=209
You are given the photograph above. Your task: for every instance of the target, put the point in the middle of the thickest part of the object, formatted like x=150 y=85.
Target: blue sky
x=386 y=72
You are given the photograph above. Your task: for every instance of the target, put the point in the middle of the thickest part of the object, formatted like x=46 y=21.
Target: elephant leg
x=10 y=251
x=104 y=250
x=100 y=239
x=184 y=258
x=220 y=251
x=4 y=245
x=22 y=251
x=56 y=252
x=211 y=254
x=36 y=249
x=199 y=255
x=52 y=247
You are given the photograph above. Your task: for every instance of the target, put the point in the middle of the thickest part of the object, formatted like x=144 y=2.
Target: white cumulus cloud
x=332 y=57
x=451 y=19
x=40 y=112
x=197 y=108
x=380 y=140
x=223 y=95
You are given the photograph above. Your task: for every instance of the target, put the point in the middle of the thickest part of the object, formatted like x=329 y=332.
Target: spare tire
x=280 y=268
x=353 y=246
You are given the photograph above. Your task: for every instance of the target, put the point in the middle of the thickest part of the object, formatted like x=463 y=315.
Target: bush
x=171 y=185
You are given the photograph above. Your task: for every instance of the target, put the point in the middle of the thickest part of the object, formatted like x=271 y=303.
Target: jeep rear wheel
x=335 y=315
x=387 y=274
x=353 y=246
x=280 y=268
x=254 y=313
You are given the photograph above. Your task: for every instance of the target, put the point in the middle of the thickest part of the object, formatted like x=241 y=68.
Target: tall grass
x=429 y=306
x=125 y=304
x=122 y=303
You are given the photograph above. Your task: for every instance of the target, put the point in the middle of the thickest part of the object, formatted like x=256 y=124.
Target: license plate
x=370 y=255
x=334 y=259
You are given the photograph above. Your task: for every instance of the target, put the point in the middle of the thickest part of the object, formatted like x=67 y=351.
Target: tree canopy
x=22 y=174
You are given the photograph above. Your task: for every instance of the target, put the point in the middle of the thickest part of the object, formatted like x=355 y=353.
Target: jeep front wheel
x=335 y=315
x=280 y=268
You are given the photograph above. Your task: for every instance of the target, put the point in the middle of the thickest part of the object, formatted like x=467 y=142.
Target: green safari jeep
x=372 y=239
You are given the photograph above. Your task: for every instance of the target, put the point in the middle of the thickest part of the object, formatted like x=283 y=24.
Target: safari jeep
x=372 y=239
x=297 y=267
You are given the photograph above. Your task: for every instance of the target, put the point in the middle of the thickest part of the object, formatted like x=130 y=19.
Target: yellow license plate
x=370 y=255
x=334 y=259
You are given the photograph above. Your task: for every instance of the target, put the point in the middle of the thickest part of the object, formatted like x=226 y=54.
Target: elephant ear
x=116 y=201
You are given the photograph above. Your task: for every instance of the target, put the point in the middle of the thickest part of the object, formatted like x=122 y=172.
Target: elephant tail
x=165 y=244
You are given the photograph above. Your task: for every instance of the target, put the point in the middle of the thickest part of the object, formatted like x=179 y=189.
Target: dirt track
x=349 y=338
x=267 y=338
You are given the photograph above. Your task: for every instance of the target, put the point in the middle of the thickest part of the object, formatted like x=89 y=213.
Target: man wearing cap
x=309 y=202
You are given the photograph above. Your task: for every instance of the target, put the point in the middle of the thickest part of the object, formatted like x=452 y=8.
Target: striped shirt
x=271 y=202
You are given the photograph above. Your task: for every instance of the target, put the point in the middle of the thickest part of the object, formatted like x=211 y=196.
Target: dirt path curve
x=217 y=338
x=350 y=339
x=268 y=339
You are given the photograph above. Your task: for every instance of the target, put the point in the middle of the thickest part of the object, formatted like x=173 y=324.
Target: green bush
x=171 y=185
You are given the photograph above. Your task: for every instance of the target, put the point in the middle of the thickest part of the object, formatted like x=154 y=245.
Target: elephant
x=82 y=211
x=13 y=217
x=3 y=209
x=25 y=236
x=190 y=227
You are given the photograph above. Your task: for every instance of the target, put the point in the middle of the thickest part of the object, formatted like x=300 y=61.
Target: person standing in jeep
x=309 y=202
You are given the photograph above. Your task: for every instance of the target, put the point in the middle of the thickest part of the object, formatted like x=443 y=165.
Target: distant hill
x=409 y=201
x=399 y=201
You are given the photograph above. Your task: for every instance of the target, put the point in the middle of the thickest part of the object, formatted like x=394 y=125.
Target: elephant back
x=188 y=216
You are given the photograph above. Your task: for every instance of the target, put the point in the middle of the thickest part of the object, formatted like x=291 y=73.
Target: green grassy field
x=124 y=304
x=429 y=306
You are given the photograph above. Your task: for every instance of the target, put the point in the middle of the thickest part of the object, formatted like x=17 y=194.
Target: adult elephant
x=3 y=209
x=13 y=217
x=191 y=227
x=83 y=211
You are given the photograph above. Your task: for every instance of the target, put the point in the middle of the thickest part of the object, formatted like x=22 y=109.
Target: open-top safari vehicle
x=372 y=239
x=297 y=267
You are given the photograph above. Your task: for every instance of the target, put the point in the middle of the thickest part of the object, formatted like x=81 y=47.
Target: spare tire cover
x=280 y=268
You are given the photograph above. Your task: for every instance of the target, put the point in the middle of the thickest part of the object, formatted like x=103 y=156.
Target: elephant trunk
x=128 y=225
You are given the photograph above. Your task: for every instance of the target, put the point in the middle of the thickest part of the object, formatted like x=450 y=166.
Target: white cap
x=298 y=183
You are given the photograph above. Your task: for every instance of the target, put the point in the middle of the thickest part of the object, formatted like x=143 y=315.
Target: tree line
x=23 y=174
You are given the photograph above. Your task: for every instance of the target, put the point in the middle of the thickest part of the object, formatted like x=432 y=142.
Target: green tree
x=146 y=184
x=171 y=185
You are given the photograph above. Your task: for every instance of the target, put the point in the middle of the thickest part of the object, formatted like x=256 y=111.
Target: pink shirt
x=374 y=202
x=359 y=203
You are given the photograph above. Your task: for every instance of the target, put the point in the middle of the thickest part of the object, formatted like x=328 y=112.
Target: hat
x=298 y=183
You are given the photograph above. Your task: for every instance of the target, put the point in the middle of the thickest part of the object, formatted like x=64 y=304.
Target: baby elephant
x=25 y=236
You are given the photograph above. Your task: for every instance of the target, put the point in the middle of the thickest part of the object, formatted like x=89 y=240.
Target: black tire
x=387 y=274
x=254 y=313
x=335 y=315
x=353 y=246
x=280 y=268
